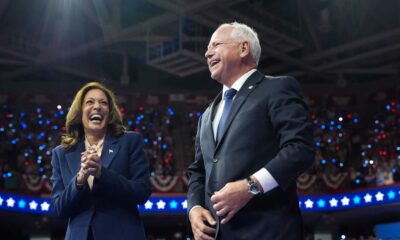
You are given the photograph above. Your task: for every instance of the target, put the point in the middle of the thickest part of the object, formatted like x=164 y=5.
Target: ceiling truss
x=292 y=47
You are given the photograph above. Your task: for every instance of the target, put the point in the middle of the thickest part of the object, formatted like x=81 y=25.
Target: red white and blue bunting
x=164 y=183
x=305 y=181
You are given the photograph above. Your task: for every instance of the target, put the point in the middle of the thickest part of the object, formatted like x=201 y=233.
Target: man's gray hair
x=242 y=32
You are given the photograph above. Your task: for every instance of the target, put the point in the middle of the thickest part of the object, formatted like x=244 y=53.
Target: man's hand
x=230 y=199
x=203 y=224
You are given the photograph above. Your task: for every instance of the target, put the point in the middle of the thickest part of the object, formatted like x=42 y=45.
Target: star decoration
x=173 y=204
x=33 y=205
x=345 y=201
x=21 y=203
x=10 y=202
x=321 y=203
x=356 y=200
x=379 y=196
x=148 y=205
x=333 y=202
x=309 y=203
x=184 y=204
x=45 y=206
x=161 y=204
x=367 y=198
x=390 y=194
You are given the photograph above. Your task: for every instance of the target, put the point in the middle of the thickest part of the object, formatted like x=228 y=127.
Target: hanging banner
x=305 y=181
x=334 y=181
x=33 y=183
x=164 y=183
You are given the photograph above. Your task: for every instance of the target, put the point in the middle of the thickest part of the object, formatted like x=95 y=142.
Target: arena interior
x=345 y=54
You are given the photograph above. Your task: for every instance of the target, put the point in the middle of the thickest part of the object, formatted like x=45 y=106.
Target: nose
x=208 y=53
x=96 y=105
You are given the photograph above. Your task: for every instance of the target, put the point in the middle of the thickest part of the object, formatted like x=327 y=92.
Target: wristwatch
x=252 y=186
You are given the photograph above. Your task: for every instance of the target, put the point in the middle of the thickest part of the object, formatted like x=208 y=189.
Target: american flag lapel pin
x=110 y=151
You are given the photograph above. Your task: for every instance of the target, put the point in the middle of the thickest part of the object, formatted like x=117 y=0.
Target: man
x=252 y=143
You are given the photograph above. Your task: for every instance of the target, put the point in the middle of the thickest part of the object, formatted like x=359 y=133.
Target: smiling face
x=95 y=112
x=224 y=56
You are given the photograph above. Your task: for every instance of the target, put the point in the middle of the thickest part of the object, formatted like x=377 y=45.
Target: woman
x=100 y=172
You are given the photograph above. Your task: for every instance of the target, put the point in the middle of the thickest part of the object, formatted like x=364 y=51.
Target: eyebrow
x=92 y=98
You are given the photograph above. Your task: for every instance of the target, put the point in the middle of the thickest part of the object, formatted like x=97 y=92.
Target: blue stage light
x=321 y=203
x=178 y=204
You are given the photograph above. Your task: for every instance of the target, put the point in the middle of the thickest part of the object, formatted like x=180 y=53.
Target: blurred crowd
x=29 y=134
x=353 y=149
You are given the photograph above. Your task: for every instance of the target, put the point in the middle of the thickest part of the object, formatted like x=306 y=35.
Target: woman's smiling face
x=95 y=112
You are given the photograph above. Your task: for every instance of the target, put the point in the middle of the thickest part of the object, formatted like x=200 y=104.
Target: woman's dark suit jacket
x=110 y=209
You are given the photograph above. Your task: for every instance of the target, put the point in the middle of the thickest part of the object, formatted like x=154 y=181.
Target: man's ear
x=244 y=49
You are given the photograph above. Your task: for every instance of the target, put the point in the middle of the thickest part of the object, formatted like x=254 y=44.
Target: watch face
x=254 y=189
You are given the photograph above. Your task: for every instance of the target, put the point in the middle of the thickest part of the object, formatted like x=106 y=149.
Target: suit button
x=215 y=160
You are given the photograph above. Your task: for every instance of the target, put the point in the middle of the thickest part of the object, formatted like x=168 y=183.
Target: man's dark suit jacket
x=110 y=209
x=267 y=127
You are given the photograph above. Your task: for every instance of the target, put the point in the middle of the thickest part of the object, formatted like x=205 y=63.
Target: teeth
x=96 y=117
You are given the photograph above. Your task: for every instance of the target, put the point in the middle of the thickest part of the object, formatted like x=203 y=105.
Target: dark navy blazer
x=110 y=209
x=268 y=127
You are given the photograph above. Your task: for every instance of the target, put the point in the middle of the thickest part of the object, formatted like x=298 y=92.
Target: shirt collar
x=237 y=85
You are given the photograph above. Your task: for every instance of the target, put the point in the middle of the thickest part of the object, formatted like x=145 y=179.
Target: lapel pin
x=251 y=87
x=110 y=151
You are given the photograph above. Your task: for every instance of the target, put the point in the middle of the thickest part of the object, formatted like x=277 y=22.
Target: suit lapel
x=211 y=116
x=110 y=150
x=250 y=84
x=73 y=157
x=216 y=101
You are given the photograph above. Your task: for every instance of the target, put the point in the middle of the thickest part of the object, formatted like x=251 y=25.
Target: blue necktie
x=229 y=94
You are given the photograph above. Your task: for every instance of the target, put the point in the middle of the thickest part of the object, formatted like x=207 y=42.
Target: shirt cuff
x=265 y=179
x=195 y=206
